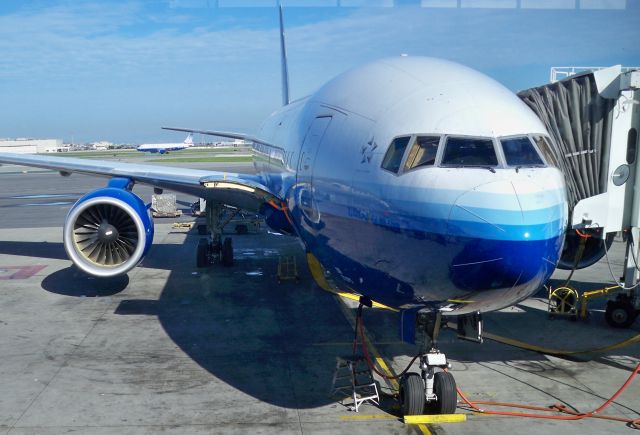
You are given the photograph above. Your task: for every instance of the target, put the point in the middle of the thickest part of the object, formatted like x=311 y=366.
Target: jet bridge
x=593 y=115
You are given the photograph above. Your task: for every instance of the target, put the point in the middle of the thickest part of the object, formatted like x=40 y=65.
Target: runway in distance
x=416 y=182
x=164 y=148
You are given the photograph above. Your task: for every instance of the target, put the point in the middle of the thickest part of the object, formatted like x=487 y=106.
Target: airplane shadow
x=265 y=339
x=161 y=256
x=73 y=282
x=277 y=342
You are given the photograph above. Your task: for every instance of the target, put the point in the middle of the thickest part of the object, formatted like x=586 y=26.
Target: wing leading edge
x=239 y=190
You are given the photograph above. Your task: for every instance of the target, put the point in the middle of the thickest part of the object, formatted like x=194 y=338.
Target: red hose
x=572 y=415
x=556 y=408
x=367 y=357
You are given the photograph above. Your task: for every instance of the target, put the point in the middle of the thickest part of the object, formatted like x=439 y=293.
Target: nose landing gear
x=427 y=392
x=431 y=391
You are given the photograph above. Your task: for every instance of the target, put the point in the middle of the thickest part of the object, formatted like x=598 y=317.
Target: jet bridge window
x=461 y=151
x=423 y=152
x=393 y=158
x=519 y=151
x=544 y=145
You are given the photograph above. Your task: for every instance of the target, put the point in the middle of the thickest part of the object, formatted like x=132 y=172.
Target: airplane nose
x=502 y=234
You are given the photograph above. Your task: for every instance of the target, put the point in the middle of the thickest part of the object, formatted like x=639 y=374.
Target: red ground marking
x=21 y=272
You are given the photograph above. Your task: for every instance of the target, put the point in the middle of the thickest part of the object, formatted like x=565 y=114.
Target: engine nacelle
x=108 y=232
x=594 y=250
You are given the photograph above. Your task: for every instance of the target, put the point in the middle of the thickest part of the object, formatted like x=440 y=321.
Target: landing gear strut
x=429 y=392
x=213 y=249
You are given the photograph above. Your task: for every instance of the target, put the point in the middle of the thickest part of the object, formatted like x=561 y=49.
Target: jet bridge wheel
x=412 y=394
x=444 y=386
x=620 y=313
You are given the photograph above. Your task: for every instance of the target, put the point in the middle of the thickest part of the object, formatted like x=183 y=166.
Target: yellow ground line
x=424 y=429
x=549 y=351
x=316 y=271
x=383 y=365
x=435 y=418
x=368 y=417
x=374 y=352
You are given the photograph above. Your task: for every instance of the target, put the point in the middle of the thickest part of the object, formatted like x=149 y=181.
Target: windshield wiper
x=487 y=167
x=473 y=166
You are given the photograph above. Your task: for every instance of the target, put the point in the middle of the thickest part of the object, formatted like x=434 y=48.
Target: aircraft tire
x=412 y=394
x=227 y=252
x=620 y=314
x=444 y=386
x=202 y=258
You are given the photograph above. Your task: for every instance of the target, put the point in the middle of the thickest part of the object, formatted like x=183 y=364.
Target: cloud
x=152 y=62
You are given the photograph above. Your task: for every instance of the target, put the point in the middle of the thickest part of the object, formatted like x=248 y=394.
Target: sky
x=90 y=70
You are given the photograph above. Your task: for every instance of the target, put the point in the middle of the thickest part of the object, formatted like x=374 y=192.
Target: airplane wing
x=231 y=135
x=239 y=190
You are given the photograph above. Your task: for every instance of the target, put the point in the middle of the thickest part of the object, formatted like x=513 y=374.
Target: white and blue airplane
x=164 y=148
x=415 y=182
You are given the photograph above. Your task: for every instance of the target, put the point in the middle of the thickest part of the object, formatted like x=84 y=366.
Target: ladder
x=354 y=378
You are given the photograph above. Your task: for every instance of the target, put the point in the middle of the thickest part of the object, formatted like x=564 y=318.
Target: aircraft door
x=308 y=152
x=309 y=148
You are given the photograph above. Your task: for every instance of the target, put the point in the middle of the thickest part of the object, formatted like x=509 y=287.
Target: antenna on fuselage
x=283 y=59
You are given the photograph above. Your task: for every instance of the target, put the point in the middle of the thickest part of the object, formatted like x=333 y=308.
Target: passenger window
x=519 y=151
x=469 y=152
x=545 y=147
x=393 y=158
x=423 y=152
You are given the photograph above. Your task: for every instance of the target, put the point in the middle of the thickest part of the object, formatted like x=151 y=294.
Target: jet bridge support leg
x=431 y=391
x=622 y=311
x=213 y=249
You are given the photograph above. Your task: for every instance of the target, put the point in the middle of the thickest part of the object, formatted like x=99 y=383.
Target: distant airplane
x=415 y=182
x=164 y=148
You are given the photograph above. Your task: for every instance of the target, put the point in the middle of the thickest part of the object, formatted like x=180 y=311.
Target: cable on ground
x=558 y=408
x=359 y=331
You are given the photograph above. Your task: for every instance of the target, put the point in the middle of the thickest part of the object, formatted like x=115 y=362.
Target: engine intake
x=108 y=232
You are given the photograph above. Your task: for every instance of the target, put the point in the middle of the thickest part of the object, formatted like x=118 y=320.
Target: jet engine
x=594 y=250
x=108 y=232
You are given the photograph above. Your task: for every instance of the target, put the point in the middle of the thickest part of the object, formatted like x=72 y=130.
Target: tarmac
x=170 y=348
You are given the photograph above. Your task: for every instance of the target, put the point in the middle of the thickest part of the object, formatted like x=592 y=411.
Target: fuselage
x=477 y=226
x=162 y=148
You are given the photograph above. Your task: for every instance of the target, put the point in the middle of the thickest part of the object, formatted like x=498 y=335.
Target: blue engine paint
x=121 y=183
x=118 y=189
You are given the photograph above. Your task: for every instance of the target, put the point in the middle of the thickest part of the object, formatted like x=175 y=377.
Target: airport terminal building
x=32 y=146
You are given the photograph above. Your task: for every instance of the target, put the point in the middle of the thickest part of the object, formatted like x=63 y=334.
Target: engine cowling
x=593 y=250
x=108 y=232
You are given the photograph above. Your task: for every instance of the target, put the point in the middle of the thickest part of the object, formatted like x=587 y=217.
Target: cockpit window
x=393 y=158
x=460 y=151
x=519 y=151
x=544 y=145
x=423 y=152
